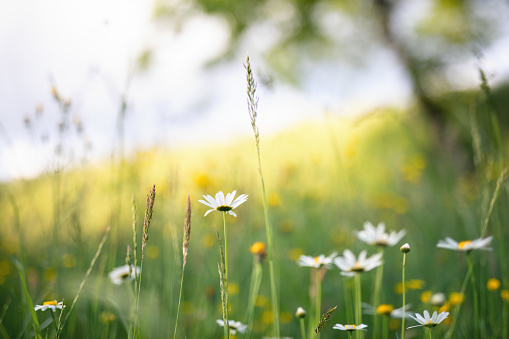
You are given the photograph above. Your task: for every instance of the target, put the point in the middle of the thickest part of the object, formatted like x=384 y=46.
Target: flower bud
x=405 y=248
x=301 y=313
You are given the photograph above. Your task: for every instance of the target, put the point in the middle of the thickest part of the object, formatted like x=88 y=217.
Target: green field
x=323 y=179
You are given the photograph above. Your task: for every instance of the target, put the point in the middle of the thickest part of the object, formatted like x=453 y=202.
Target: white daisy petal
x=222 y=203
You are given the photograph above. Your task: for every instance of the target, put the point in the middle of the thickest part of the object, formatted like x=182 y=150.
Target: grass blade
x=30 y=304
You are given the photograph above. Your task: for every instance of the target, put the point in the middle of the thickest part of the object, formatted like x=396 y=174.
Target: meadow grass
x=394 y=172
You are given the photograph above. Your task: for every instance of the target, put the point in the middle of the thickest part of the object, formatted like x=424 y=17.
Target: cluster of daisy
x=349 y=265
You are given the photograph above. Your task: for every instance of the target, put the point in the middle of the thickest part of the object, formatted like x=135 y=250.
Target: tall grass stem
x=30 y=305
x=377 y=292
x=404 y=301
x=358 y=301
x=474 y=295
x=252 y=104
x=318 y=296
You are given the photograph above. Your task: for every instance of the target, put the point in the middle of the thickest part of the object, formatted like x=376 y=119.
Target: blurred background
x=138 y=74
x=370 y=110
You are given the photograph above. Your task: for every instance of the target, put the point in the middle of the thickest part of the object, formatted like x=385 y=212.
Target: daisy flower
x=222 y=204
x=377 y=236
x=317 y=262
x=234 y=326
x=349 y=265
x=467 y=245
x=53 y=305
x=427 y=321
x=350 y=328
x=121 y=274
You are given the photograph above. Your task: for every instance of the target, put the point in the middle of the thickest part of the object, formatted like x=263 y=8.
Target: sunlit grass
x=323 y=181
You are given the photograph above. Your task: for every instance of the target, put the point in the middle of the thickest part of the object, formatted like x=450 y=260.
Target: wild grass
x=394 y=174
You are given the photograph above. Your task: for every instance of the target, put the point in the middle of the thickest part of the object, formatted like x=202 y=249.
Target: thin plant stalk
x=358 y=301
x=350 y=335
x=474 y=295
x=457 y=309
x=30 y=305
x=302 y=328
x=256 y=279
x=146 y=225
x=404 y=301
x=252 y=104
x=221 y=270
x=347 y=293
x=185 y=247
x=376 y=294
x=54 y=322
x=318 y=296
x=226 y=292
x=430 y=333
x=385 y=326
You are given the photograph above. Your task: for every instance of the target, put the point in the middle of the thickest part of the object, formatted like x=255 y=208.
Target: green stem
x=430 y=333
x=349 y=334
x=227 y=323
x=256 y=279
x=457 y=309
x=302 y=328
x=318 y=296
x=358 y=300
x=270 y=254
x=54 y=321
x=474 y=295
x=385 y=326
x=376 y=295
x=178 y=307
x=504 y=316
x=347 y=292
x=403 y=309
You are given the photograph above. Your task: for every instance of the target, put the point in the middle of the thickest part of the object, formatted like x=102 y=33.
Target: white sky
x=86 y=49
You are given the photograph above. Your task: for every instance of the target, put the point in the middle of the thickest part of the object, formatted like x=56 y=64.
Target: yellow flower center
x=463 y=244
x=357 y=267
x=317 y=260
x=257 y=248
x=54 y=303
x=224 y=208
x=350 y=327
x=384 y=309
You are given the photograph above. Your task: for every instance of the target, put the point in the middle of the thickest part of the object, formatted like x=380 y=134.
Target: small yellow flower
x=414 y=284
x=233 y=289
x=493 y=284
x=426 y=296
x=274 y=199
x=504 y=294
x=384 y=309
x=261 y=300
x=285 y=317
x=394 y=324
x=456 y=298
x=267 y=317
x=257 y=248
x=445 y=307
x=295 y=253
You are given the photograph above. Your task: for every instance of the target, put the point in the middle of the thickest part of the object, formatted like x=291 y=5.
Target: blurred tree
x=426 y=36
